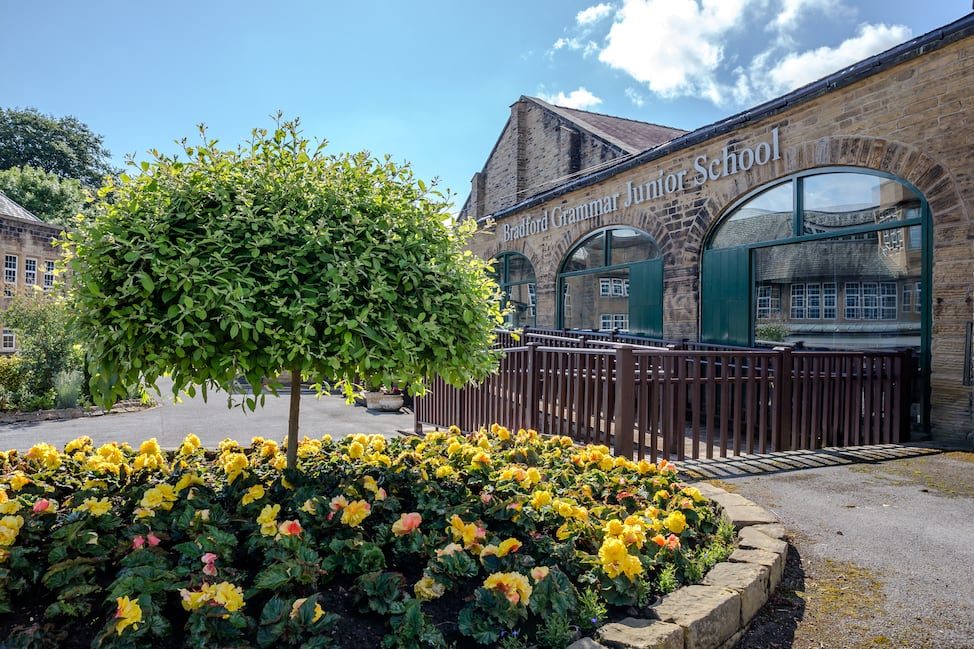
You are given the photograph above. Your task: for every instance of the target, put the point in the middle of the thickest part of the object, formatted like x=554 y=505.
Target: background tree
x=277 y=257
x=52 y=198
x=63 y=146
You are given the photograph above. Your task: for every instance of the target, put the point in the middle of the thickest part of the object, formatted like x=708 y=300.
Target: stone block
x=774 y=530
x=708 y=615
x=750 y=580
x=741 y=516
x=585 y=643
x=774 y=562
x=633 y=633
x=752 y=539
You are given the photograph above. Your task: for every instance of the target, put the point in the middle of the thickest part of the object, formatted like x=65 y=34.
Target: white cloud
x=797 y=69
x=636 y=98
x=787 y=18
x=593 y=14
x=675 y=47
x=579 y=98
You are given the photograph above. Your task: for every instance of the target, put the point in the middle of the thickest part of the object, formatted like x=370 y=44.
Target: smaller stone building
x=28 y=254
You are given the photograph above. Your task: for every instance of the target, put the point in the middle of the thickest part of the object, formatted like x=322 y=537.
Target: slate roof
x=9 y=208
x=632 y=136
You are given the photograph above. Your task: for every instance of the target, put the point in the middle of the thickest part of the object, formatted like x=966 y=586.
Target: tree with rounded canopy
x=46 y=195
x=277 y=257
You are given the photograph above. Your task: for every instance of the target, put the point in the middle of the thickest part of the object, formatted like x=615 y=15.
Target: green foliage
x=63 y=146
x=413 y=628
x=667 y=580
x=592 y=610
x=45 y=338
x=48 y=196
x=277 y=257
x=380 y=592
x=11 y=379
x=555 y=633
x=67 y=384
x=771 y=331
x=295 y=623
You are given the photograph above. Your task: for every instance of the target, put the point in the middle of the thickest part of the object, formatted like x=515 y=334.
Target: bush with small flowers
x=415 y=541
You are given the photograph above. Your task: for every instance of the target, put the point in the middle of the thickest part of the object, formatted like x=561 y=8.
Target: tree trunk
x=292 y=421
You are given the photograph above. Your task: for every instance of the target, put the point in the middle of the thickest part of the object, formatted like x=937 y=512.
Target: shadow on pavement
x=775 y=625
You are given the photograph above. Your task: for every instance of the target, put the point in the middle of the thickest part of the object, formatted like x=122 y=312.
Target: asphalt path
x=211 y=420
x=902 y=529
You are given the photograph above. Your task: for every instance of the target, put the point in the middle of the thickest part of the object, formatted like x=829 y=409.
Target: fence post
x=417 y=425
x=531 y=398
x=907 y=372
x=784 y=389
x=625 y=414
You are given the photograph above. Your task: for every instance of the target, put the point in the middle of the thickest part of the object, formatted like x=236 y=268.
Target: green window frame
x=743 y=254
x=502 y=274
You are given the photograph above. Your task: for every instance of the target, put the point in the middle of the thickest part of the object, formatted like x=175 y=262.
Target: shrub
x=68 y=387
x=771 y=332
x=410 y=542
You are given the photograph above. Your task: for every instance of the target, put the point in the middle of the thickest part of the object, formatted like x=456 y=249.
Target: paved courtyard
x=211 y=420
x=881 y=554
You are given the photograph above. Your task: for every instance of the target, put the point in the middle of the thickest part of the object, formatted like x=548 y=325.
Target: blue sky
x=429 y=82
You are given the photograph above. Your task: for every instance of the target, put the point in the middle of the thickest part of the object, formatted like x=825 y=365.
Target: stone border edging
x=714 y=613
x=58 y=414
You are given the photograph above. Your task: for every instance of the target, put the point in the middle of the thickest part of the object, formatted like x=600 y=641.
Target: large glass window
x=596 y=280
x=515 y=276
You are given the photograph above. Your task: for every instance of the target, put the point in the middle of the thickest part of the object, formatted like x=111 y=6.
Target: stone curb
x=57 y=414
x=714 y=613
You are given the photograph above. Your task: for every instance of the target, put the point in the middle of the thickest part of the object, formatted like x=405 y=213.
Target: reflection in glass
x=590 y=254
x=515 y=276
x=596 y=301
x=766 y=217
x=845 y=292
x=841 y=200
x=519 y=269
x=630 y=245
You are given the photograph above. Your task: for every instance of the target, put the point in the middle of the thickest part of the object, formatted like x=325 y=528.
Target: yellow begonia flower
x=694 y=493
x=267 y=519
x=355 y=450
x=540 y=499
x=309 y=507
x=225 y=594
x=234 y=465
x=187 y=480
x=513 y=585
x=46 y=455
x=616 y=560
x=279 y=462
x=128 y=614
x=190 y=443
x=161 y=496
x=356 y=512
x=10 y=507
x=95 y=506
x=78 y=444
x=296 y=608
x=676 y=522
x=469 y=533
x=253 y=494
x=9 y=529
x=445 y=471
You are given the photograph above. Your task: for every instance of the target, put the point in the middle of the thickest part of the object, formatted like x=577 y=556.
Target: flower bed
x=497 y=538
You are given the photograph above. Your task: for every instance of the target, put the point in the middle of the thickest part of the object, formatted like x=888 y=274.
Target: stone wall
x=27 y=239
x=913 y=120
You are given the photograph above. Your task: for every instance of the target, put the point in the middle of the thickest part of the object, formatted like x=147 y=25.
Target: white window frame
x=605 y=286
x=10 y=265
x=610 y=321
x=829 y=301
x=888 y=301
x=8 y=343
x=917 y=294
x=813 y=301
x=30 y=271
x=48 y=274
x=797 y=302
x=908 y=297
x=853 y=301
x=870 y=301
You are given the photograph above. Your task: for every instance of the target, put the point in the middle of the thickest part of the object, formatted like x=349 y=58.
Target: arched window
x=612 y=279
x=515 y=276
x=833 y=258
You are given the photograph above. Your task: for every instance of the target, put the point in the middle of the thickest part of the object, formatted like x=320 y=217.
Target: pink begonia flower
x=152 y=539
x=41 y=505
x=138 y=542
x=406 y=524
x=485 y=498
x=209 y=564
x=290 y=528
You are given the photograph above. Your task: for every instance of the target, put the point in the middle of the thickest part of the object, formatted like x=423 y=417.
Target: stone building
x=28 y=253
x=838 y=216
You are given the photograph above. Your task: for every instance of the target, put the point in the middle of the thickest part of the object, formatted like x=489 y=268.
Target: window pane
x=629 y=245
x=521 y=300
x=590 y=254
x=841 y=200
x=842 y=293
x=766 y=217
x=587 y=298
x=519 y=269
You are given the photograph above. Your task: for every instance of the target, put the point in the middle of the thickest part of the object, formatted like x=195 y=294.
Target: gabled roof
x=10 y=208
x=630 y=135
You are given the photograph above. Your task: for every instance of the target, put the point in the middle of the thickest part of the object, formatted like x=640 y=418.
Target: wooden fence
x=651 y=402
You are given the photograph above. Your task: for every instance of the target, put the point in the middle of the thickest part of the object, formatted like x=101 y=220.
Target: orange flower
x=290 y=528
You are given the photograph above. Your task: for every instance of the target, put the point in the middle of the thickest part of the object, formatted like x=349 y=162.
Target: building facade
x=28 y=253
x=837 y=216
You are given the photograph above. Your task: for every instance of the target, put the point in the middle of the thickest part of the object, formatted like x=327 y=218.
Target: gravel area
x=881 y=555
x=169 y=422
